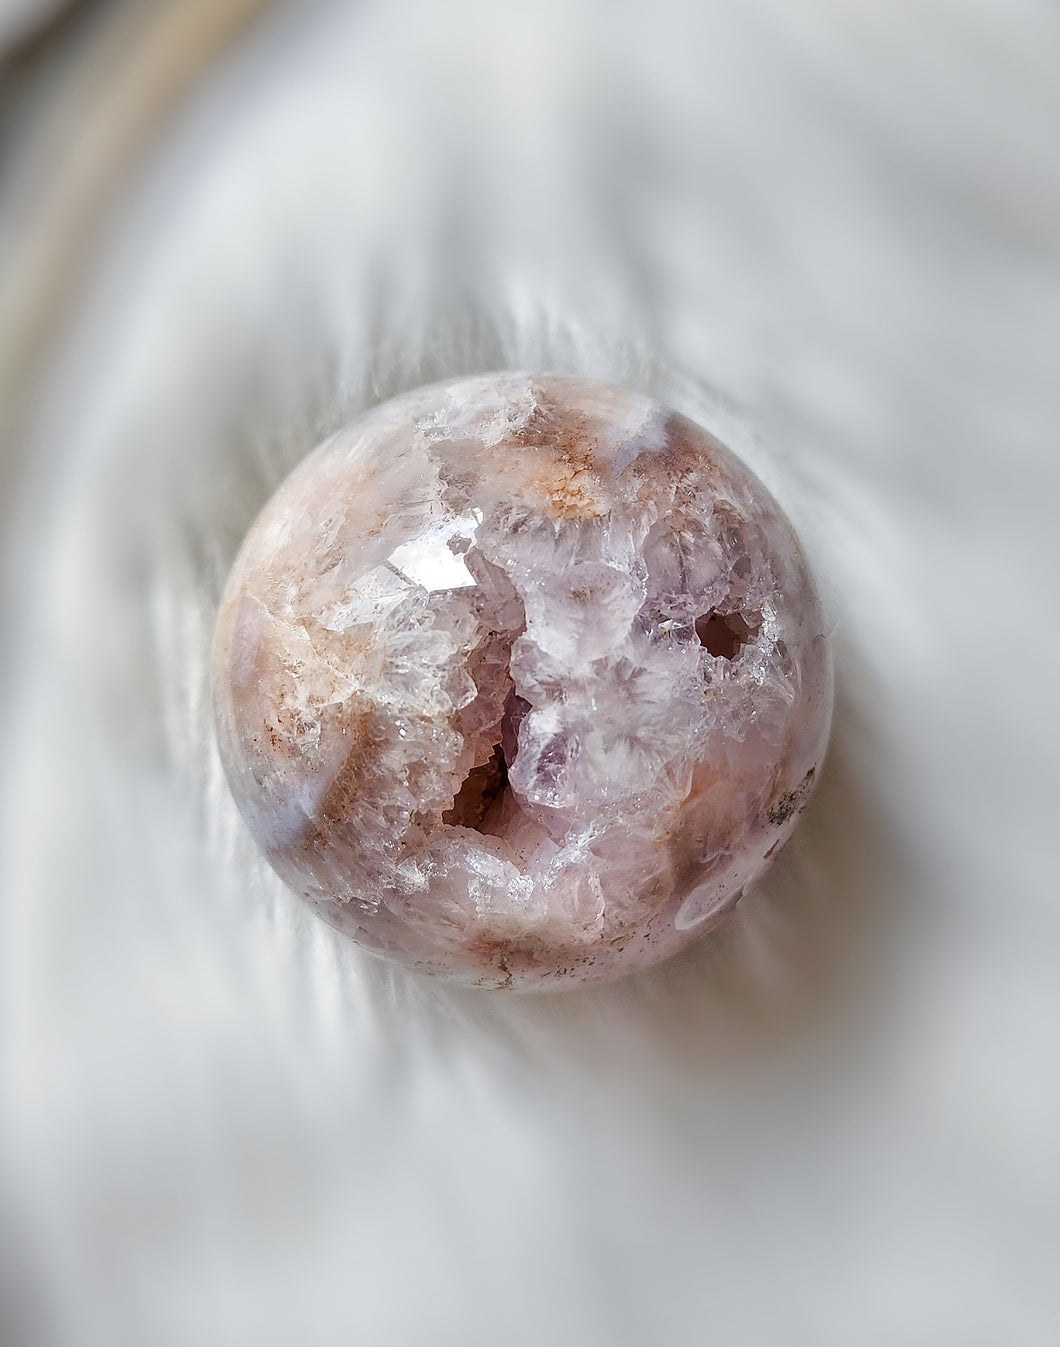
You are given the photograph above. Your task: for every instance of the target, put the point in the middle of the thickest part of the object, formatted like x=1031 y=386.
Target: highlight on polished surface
x=521 y=678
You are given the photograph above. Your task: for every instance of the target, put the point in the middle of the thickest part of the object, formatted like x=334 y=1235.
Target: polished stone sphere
x=522 y=679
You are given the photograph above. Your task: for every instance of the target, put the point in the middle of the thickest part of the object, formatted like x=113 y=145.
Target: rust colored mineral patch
x=521 y=678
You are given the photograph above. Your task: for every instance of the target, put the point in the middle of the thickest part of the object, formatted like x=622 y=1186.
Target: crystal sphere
x=521 y=678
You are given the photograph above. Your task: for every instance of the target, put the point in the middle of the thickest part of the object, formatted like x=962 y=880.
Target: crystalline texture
x=521 y=679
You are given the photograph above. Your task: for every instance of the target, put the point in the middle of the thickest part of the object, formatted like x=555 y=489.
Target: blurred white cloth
x=832 y=234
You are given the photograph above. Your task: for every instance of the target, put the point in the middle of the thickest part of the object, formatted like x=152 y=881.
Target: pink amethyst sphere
x=521 y=678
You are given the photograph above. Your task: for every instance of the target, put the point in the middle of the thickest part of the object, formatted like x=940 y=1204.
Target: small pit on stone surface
x=725 y=634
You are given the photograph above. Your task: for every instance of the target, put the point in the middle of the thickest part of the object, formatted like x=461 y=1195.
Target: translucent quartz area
x=521 y=678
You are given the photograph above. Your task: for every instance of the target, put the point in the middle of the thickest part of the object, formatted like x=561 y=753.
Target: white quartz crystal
x=521 y=678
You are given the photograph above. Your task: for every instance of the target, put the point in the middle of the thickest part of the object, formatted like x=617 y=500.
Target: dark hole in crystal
x=724 y=634
x=484 y=785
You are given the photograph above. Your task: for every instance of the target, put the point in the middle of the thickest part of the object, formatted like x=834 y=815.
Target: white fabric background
x=831 y=232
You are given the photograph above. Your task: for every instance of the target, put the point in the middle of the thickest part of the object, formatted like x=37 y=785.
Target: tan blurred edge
x=86 y=127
